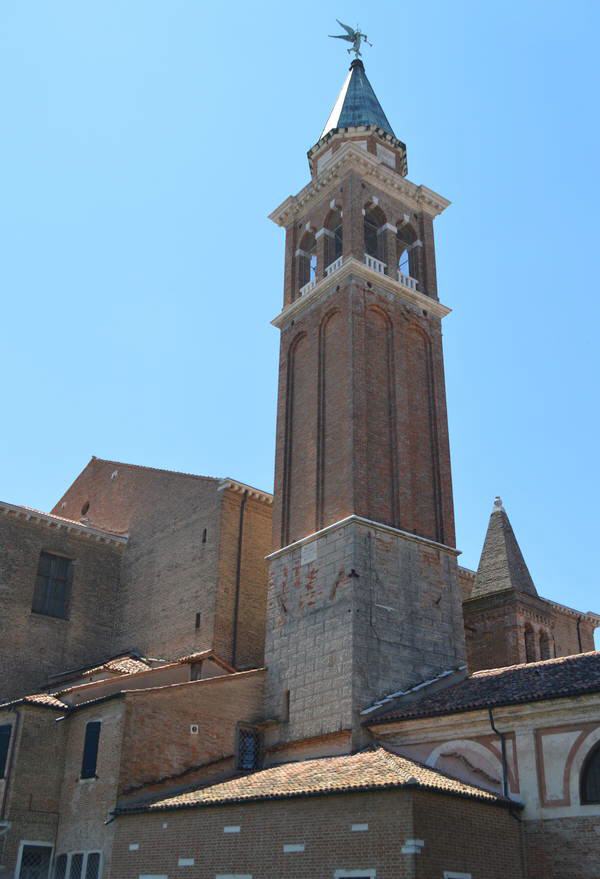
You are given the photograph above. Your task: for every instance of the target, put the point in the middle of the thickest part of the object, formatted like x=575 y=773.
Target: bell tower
x=364 y=598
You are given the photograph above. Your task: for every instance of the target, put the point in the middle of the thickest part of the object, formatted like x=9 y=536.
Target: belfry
x=364 y=576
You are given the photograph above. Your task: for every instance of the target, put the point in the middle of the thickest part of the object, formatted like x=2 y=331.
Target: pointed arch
x=423 y=452
x=296 y=472
x=331 y=438
x=382 y=491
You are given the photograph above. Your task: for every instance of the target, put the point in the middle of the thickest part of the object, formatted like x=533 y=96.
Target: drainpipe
x=238 y=577
x=579 y=634
x=501 y=736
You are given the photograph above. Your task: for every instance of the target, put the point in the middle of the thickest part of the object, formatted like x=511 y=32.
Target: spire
x=501 y=565
x=357 y=103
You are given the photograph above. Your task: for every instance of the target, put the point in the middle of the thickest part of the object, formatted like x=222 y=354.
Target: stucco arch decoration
x=577 y=757
x=470 y=761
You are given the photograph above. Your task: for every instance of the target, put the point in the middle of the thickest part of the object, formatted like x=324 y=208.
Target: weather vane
x=352 y=35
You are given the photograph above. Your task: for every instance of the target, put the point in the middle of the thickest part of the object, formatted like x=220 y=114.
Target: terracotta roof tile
x=368 y=770
x=44 y=700
x=513 y=685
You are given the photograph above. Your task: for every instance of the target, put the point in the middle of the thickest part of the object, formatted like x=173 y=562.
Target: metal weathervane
x=352 y=35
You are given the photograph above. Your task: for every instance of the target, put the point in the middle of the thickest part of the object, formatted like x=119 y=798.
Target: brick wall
x=85 y=804
x=361 y=393
x=495 y=629
x=33 y=645
x=34 y=786
x=564 y=848
x=464 y=836
x=158 y=744
x=245 y=540
x=323 y=825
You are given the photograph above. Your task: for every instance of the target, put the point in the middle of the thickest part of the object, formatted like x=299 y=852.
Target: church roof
x=373 y=769
x=357 y=104
x=514 y=685
x=502 y=565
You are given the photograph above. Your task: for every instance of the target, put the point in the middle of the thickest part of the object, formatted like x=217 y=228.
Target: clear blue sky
x=144 y=143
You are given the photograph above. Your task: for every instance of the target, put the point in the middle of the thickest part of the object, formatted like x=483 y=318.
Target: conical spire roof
x=357 y=103
x=502 y=565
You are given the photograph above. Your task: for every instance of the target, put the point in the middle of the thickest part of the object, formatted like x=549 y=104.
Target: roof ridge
x=555 y=660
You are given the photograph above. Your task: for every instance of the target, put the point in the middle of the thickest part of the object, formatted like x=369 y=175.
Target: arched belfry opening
x=407 y=255
x=334 y=238
x=306 y=257
x=374 y=227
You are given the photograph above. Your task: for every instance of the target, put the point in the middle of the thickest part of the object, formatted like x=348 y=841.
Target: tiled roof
x=43 y=700
x=206 y=654
x=514 y=685
x=123 y=665
x=375 y=769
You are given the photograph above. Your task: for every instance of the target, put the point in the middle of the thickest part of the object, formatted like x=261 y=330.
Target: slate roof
x=513 y=685
x=357 y=104
x=502 y=565
x=374 y=769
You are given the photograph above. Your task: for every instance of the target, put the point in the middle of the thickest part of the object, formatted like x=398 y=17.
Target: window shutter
x=5 y=731
x=90 y=749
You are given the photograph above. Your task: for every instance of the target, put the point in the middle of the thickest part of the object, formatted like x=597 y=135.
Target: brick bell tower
x=364 y=598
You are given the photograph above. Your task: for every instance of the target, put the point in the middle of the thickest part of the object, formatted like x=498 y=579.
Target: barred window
x=92 y=867
x=60 y=867
x=35 y=861
x=76 y=871
x=248 y=748
x=52 y=585
x=590 y=777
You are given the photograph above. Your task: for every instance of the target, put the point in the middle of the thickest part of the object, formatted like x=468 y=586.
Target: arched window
x=545 y=646
x=334 y=237
x=307 y=260
x=529 y=644
x=590 y=777
x=407 y=252
x=373 y=225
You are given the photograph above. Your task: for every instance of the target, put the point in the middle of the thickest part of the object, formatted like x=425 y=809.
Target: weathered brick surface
x=495 y=627
x=240 y=606
x=157 y=741
x=563 y=848
x=447 y=826
x=85 y=804
x=31 y=796
x=371 y=613
x=362 y=421
x=33 y=645
x=464 y=837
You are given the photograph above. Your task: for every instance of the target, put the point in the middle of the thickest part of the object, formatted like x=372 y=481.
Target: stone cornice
x=241 y=487
x=351 y=157
x=355 y=270
x=52 y=521
x=369 y=523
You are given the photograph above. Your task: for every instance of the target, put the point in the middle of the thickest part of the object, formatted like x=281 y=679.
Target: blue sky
x=143 y=144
